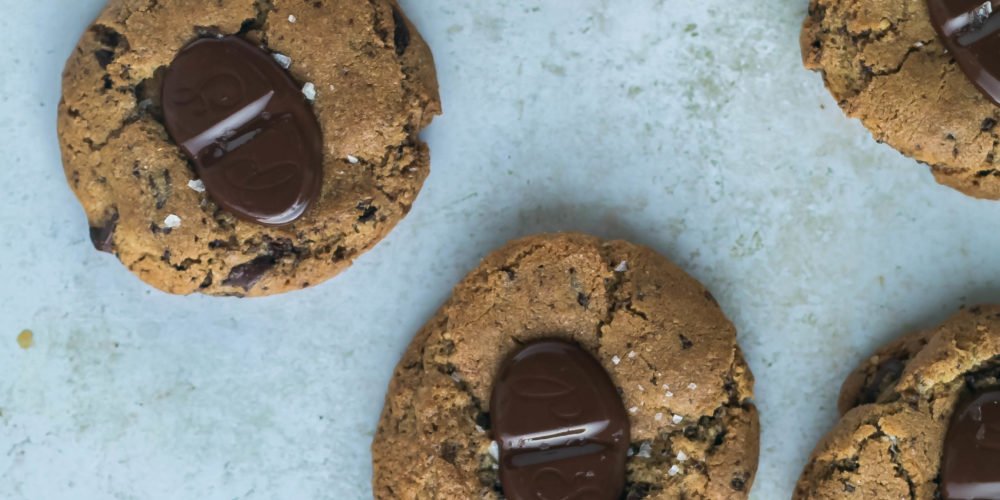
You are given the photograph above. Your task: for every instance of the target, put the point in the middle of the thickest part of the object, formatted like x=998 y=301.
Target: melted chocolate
x=970 y=469
x=246 y=126
x=970 y=30
x=561 y=425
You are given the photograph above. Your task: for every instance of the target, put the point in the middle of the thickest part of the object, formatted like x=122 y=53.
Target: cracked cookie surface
x=375 y=90
x=896 y=407
x=884 y=64
x=660 y=335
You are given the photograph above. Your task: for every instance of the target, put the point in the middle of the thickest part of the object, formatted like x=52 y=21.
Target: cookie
x=886 y=65
x=666 y=349
x=920 y=419
x=242 y=147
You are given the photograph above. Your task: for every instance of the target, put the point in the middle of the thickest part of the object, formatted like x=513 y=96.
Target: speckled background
x=688 y=126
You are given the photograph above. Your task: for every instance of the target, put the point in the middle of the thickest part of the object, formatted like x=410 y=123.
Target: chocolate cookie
x=920 y=419
x=886 y=64
x=242 y=147
x=564 y=365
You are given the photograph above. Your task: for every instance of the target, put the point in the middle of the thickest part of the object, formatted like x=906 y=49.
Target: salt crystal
x=641 y=389
x=353 y=159
x=172 y=222
x=622 y=267
x=676 y=419
x=692 y=386
x=309 y=90
x=681 y=456
x=494 y=450
x=658 y=417
x=669 y=394
x=283 y=60
x=645 y=450
x=631 y=354
x=196 y=185
x=674 y=470
x=633 y=409
x=616 y=359
x=292 y=19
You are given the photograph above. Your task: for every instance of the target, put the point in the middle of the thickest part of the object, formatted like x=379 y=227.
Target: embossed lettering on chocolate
x=560 y=424
x=246 y=126
x=970 y=30
x=971 y=465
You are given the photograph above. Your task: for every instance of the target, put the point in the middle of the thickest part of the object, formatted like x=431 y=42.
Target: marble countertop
x=687 y=126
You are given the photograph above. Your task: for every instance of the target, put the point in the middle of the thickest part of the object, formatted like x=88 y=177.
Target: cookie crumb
x=196 y=185
x=674 y=470
x=283 y=60
x=292 y=19
x=309 y=90
x=172 y=222
x=616 y=359
x=352 y=159
x=676 y=419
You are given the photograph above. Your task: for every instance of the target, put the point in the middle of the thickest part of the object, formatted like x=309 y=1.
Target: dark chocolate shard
x=401 y=38
x=248 y=274
x=103 y=236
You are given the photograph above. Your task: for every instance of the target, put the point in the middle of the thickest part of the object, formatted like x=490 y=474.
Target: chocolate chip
x=988 y=125
x=368 y=211
x=686 y=343
x=243 y=122
x=104 y=57
x=886 y=374
x=638 y=491
x=449 y=451
x=401 y=38
x=103 y=236
x=248 y=274
x=483 y=420
x=738 y=484
x=582 y=299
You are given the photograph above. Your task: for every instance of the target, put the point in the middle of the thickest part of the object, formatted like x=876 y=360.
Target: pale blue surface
x=689 y=126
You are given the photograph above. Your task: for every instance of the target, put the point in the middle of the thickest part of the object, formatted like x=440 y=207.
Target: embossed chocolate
x=970 y=30
x=560 y=424
x=246 y=126
x=970 y=469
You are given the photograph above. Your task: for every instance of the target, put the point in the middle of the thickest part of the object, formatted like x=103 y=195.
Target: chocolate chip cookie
x=920 y=419
x=921 y=76
x=245 y=147
x=565 y=365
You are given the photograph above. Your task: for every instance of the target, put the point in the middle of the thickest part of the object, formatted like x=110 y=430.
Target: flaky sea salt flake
x=196 y=185
x=282 y=60
x=676 y=419
x=309 y=90
x=172 y=222
x=681 y=456
x=674 y=470
x=622 y=267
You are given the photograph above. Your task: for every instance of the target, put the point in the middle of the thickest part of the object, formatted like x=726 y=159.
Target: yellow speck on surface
x=26 y=339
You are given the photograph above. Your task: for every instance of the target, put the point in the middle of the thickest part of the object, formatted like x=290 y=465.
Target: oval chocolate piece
x=561 y=426
x=246 y=126
x=970 y=469
x=970 y=30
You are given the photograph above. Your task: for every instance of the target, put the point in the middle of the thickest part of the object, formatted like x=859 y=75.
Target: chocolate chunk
x=887 y=374
x=246 y=126
x=401 y=38
x=560 y=425
x=970 y=30
x=972 y=449
x=103 y=236
x=247 y=275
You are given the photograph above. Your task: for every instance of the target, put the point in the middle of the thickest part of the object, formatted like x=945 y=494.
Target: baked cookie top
x=885 y=65
x=662 y=338
x=898 y=407
x=372 y=80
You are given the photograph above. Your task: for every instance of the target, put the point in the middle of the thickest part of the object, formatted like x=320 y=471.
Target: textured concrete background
x=689 y=126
